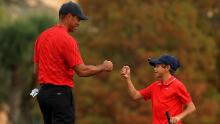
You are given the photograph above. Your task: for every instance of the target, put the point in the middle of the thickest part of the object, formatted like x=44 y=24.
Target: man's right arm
x=135 y=94
x=83 y=70
x=35 y=73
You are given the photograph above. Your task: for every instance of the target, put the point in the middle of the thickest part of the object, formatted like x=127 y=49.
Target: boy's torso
x=165 y=99
x=170 y=96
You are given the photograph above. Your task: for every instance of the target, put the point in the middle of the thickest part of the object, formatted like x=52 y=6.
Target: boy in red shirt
x=167 y=94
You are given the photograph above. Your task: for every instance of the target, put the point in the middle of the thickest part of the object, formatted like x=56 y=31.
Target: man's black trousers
x=56 y=104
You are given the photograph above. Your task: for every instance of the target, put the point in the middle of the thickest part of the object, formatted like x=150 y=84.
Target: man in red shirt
x=57 y=58
x=167 y=94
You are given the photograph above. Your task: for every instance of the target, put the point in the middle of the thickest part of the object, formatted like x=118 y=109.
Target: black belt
x=49 y=85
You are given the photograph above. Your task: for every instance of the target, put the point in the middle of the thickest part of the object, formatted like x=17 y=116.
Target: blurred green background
x=126 y=32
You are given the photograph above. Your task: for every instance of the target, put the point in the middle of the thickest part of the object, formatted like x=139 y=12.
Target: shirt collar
x=167 y=82
x=61 y=26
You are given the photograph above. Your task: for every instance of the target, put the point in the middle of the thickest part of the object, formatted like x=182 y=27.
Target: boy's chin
x=157 y=76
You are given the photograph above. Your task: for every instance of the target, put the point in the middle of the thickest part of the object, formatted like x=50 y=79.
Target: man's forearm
x=83 y=70
x=90 y=70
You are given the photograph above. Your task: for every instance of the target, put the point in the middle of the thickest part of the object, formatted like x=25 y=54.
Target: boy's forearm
x=189 y=109
x=132 y=90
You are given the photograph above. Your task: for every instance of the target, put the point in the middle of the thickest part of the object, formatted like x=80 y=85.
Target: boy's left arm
x=185 y=99
x=190 y=107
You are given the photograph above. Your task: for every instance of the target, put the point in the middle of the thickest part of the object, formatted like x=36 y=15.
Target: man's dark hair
x=61 y=16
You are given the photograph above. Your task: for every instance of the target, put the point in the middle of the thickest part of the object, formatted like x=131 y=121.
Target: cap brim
x=153 y=62
x=83 y=17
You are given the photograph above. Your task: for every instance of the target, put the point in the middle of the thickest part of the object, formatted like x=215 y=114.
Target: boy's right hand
x=125 y=72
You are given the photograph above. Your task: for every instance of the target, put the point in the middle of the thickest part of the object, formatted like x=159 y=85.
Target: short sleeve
x=183 y=94
x=71 y=53
x=147 y=92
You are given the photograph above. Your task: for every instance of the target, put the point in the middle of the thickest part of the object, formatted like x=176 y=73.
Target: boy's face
x=160 y=70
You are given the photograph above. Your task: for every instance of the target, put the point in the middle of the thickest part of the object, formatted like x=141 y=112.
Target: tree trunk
x=27 y=103
x=15 y=96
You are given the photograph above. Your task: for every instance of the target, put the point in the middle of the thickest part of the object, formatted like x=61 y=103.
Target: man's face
x=73 y=22
x=160 y=70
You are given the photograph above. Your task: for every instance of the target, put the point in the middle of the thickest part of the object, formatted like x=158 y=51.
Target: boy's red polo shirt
x=171 y=96
x=55 y=53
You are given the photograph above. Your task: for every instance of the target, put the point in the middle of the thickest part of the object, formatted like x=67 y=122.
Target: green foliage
x=16 y=49
x=19 y=38
x=16 y=53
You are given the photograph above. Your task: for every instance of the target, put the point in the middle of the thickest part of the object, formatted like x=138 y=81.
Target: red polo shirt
x=171 y=96
x=55 y=53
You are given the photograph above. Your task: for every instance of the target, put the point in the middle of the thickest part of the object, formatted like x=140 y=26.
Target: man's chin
x=70 y=30
x=75 y=29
